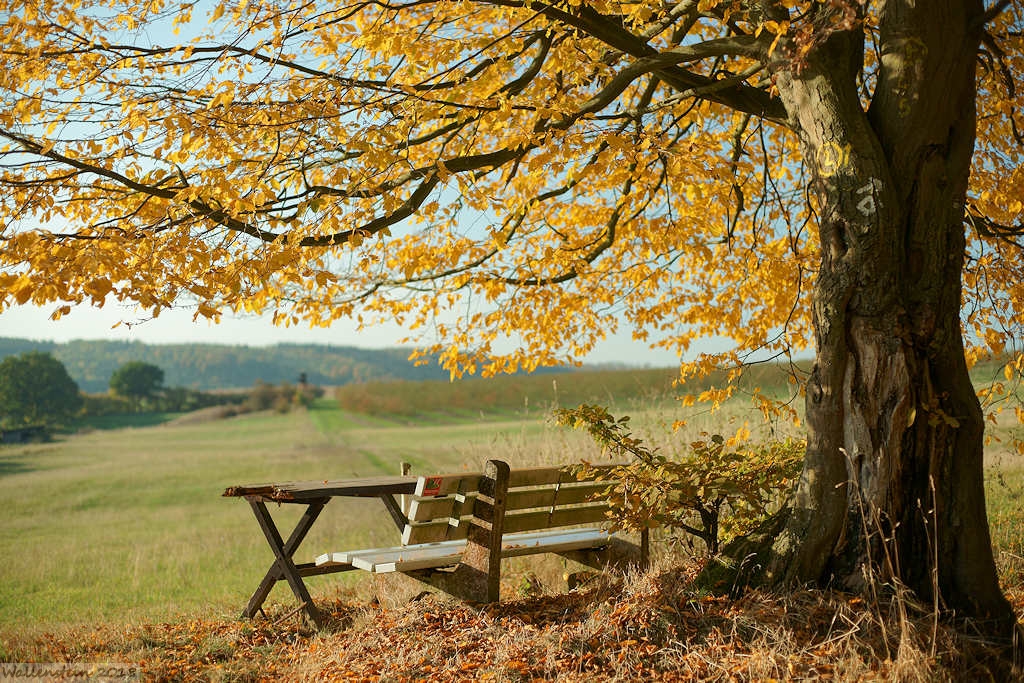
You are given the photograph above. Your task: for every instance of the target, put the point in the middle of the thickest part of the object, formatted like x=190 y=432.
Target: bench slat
x=425 y=509
x=567 y=494
x=541 y=519
x=544 y=476
x=538 y=476
x=515 y=522
x=436 y=531
x=443 y=507
x=408 y=558
x=428 y=556
x=364 y=558
x=328 y=559
x=515 y=545
x=444 y=484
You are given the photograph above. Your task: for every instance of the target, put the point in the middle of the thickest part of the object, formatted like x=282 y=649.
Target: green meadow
x=127 y=525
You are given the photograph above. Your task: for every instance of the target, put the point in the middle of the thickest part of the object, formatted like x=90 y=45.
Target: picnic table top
x=299 y=491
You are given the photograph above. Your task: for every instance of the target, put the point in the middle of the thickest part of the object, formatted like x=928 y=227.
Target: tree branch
x=612 y=32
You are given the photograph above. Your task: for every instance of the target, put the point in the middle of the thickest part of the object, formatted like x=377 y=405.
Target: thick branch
x=612 y=32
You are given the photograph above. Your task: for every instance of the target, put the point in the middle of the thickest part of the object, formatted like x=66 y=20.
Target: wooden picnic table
x=315 y=495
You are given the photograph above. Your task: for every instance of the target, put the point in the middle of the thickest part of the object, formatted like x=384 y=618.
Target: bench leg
x=283 y=567
x=478 y=576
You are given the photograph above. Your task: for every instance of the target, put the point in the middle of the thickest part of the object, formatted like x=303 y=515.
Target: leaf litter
x=651 y=627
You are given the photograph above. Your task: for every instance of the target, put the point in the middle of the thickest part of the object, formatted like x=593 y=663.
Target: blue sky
x=176 y=327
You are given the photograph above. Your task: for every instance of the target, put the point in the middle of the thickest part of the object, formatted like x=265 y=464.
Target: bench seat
x=449 y=553
x=422 y=556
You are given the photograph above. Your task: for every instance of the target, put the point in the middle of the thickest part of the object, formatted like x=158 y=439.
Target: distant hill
x=211 y=366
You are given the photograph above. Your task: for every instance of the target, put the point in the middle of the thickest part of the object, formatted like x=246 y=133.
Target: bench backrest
x=537 y=498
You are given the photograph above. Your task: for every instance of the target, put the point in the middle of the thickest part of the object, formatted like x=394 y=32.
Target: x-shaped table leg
x=284 y=567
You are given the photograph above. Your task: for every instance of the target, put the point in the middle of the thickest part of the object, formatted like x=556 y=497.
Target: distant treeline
x=210 y=366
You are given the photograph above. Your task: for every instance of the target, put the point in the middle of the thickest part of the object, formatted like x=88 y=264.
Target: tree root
x=742 y=561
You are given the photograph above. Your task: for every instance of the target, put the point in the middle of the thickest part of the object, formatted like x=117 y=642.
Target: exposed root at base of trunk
x=741 y=566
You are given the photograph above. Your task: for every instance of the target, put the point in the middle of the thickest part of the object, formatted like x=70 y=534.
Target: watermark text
x=94 y=672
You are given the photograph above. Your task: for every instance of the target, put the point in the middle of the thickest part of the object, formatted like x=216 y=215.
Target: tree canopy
x=515 y=179
x=327 y=161
x=307 y=160
x=35 y=389
x=137 y=380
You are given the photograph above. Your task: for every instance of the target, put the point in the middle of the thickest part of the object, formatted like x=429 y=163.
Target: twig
x=290 y=614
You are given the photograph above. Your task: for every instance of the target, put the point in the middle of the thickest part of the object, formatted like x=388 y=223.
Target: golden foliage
x=717 y=489
x=441 y=163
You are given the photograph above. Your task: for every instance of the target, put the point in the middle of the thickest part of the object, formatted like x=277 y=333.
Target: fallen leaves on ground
x=653 y=627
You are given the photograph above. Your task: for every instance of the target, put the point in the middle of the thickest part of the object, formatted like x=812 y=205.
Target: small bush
x=281 y=398
x=690 y=492
x=170 y=400
x=100 y=405
x=181 y=400
x=305 y=394
x=261 y=397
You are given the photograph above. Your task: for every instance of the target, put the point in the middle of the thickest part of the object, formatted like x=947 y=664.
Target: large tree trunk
x=892 y=487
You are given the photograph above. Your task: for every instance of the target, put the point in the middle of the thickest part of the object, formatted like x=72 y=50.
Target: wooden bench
x=459 y=527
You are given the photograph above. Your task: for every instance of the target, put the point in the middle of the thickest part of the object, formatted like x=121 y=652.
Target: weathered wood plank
x=301 y=491
x=369 y=487
x=514 y=545
x=549 y=496
x=369 y=555
x=329 y=559
x=541 y=476
x=248 y=490
x=410 y=558
x=440 y=530
x=436 y=531
x=445 y=484
x=424 y=555
x=412 y=564
x=569 y=492
x=440 y=507
x=542 y=519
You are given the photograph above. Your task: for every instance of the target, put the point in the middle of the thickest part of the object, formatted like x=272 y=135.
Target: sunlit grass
x=125 y=525
x=128 y=525
x=124 y=421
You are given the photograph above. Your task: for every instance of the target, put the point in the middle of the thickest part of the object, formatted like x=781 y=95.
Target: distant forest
x=210 y=366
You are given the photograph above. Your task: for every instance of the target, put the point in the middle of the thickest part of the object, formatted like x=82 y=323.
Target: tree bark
x=892 y=487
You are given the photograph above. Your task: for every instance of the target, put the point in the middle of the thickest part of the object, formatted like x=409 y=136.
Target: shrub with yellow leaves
x=689 y=491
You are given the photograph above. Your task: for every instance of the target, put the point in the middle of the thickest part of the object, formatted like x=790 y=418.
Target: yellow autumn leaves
x=430 y=162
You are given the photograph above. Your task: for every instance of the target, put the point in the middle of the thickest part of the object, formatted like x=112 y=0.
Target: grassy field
x=536 y=395
x=128 y=526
